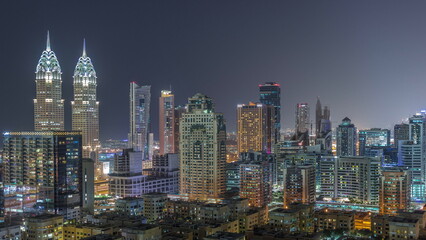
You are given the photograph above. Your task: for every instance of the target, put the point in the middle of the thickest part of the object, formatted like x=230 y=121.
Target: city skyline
x=175 y=51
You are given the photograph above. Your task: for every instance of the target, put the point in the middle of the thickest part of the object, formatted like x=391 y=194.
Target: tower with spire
x=85 y=107
x=48 y=104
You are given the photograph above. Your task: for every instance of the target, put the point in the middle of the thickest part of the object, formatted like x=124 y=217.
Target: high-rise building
x=394 y=191
x=85 y=107
x=354 y=178
x=48 y=104
x=43 y=172
x=202 y=150
x=346 y=138
x=167 y=122
x=318 y=118
x=400 y=132
x=299 y=184
x=253 y=126
x=375 y=137
x=179 y=110
x=270 y=94
x=410 y=155
x=140 y=101
x=256 y=182
x=88 y=184
x=302 y=118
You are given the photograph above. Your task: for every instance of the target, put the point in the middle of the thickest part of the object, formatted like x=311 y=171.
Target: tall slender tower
x=318 y=118
x=48 y=104
x=85 y=107
x=202 y=150
x=140 y=101
x=270 y=94
x=302 y=118
x=167 y=122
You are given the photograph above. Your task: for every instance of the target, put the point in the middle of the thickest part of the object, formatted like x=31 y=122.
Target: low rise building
x=130 y=206
x=141 y=232
x=327 y=219
x=44 y=227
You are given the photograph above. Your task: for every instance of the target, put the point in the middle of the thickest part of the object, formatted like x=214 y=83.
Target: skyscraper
x=43 y=172
x=85 y=107
x=167 y=124
x=48 y=104
x=140 y=101
x=270 y=94
x=202 y=150
x=253 y=127
x=346 y=138
x=302 y=118
x=318 y=118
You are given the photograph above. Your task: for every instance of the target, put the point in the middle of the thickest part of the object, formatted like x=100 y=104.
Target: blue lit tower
x=48 y=104
x=346 y=138
x=270 y=94
x=85 y=107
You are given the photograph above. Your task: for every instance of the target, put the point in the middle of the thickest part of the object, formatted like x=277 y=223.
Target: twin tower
x=49 y=105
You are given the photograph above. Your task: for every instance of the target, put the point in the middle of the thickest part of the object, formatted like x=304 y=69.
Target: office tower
x=166 y=165
x=48 y=104
x=140 y=101
x=375 y=137
x=299 y=184
x=43 y=171
x=302 y=118
x=346 y=138
x=85 y=107
x=88 y=184
x=400 y=132
x=179 y=110
x=394 y=191
x=256 y=182
x=354 y=178
x=270 y=94
x=253 y=126
x=202 y=150
x=151 y=146
x=167 y=122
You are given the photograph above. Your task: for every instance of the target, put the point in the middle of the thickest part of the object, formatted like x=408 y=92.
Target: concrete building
x=44 y=227
x=299 y=184
x=373 y=138
x=130 y=206
x=256 y=182
x=141 y=232
x=10 y=231
x=88 y=184
x=401 y=132
x=327 y=219
x=394 y=191
x=202 y=150
x=297 y=218
x=153 y=208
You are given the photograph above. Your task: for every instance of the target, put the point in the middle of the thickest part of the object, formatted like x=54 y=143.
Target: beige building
x=85 y=107
x=296 y=218
x=48 y=104
x=74 y=232
x=202 y=150
x=44 y=227
x=153 y=206
x=327 y=219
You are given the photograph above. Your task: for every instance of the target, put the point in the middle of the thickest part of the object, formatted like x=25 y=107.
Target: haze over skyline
x=364 y=59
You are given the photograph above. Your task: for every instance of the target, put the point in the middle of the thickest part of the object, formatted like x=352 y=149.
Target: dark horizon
x=364 y=59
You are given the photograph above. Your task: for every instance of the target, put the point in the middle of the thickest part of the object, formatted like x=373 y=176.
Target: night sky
x=365 y=59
